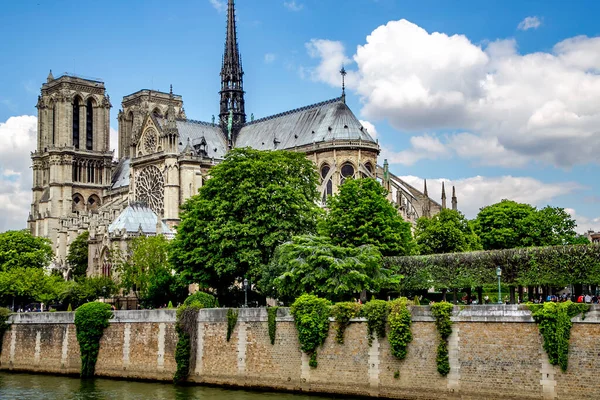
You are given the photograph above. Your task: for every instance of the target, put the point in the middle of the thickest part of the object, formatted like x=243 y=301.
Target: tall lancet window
x=53 y=124
x=76 y=122
x=89 y=125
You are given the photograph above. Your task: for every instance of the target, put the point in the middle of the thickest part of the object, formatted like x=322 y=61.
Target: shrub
x=376 y=312
x=205 y=300
x=272 y=321
x=342 y=313
x=90 y=321
x=311 y=316
x=400 y=321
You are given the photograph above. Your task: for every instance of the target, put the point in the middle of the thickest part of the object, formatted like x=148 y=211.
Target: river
x=17 y=386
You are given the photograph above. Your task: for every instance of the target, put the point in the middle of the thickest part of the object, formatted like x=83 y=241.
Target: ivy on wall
x=376 y=312
x=272 y=322
x=4 y=314
x=90 y=321
x=441 y=312
x=342 y=313
x=400 y=321
x=554 y=322
x=311 y=317
x=232 y=317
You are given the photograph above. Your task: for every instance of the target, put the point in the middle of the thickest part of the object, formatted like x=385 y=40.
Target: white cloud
x=219 y=5
x=369 y=127
x=425 y=147
x=510 y=109
x=269 y=58
x=479 y=191
x=529 y=23
x=17 y=140
x=584 y=223
x=293 y=6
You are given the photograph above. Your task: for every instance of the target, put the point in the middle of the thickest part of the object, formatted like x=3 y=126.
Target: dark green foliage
x=4 y=314
x=446 y=232
x=78 y=255
x=400 y=321
x=272 y=321
x=311 y=316
x=313 y=264
x=204 y=300
x=85 y=290
x=554 y=322
x=441 y=312
x=376 y=312
x=232 y=317
x=361 y=214
x=343 y=313
x=254 y=201
x=90 y=321
x=19 y=249
x=186 y=325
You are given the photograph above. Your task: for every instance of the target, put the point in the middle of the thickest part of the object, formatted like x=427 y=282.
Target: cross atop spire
x=343 y=73
x=232 y=86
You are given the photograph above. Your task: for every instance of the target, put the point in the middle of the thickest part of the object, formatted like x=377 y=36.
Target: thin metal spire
x=343 y=73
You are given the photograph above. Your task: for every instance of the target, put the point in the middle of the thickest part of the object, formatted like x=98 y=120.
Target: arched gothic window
x=106 y=264
x=89 y=125
x=76 y=122
x=53 y=124
x=329 y=185
x=347 y=172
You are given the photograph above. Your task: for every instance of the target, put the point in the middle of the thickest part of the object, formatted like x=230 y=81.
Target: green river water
x=17 y=386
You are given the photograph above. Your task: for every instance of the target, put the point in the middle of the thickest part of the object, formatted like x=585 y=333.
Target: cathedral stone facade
x=164 y=157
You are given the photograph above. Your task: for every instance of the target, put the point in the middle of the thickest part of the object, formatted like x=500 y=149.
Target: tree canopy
x=446 y=232
x=360 y=214
x=254 y=201
x=21 y=249
x=314 y=265
x=78 y=255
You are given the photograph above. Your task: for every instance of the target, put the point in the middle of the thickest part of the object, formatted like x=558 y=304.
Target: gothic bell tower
x=232 y=84
x=72 y=161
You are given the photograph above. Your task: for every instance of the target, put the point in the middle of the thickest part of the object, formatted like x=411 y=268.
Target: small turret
x=454 y=200
x=443 y=197
x=50 y=77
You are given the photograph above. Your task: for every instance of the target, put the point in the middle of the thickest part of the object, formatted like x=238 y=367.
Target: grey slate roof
x=134 y=216
x=326 y=121
x=216 y=145
x=120 y=177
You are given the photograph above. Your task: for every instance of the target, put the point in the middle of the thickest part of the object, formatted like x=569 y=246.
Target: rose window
x=150 y=141
x=149 y=188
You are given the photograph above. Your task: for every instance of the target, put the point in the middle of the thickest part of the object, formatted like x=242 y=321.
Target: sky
x=500 y=99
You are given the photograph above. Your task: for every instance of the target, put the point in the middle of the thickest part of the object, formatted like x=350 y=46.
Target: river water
x=17 y=386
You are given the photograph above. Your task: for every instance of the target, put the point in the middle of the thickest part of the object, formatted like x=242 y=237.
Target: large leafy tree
x=21 y=249
x=361 y=214
x=254 y=201
x=147 y=274
x=554 y=226
x=313 y=264
x=446 y=232
x=78 y=255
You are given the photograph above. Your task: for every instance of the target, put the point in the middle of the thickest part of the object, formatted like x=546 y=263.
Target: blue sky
x=455 y=91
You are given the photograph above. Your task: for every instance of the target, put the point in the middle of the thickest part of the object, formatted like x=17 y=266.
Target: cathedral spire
x=443 y=197
x=343 y=73
x=454 y=200
x=232 y=87
x=425 y=189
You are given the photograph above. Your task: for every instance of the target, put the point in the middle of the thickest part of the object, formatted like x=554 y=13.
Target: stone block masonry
x=495 y=352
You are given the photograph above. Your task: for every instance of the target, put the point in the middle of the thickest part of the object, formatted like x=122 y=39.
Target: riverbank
x=495 y=352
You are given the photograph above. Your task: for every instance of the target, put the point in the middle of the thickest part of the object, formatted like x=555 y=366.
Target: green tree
x=147 y=274
x=27 y=285
x=87 y=289
x=78 y=255
x=554 y=226
x=21 y=249
x=361 y=214
x=446 y=232
x=254 y=201
x=505 y=225
x=314 y=265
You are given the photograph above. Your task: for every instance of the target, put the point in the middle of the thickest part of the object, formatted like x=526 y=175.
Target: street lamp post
x=498 y=274
x=245 y=293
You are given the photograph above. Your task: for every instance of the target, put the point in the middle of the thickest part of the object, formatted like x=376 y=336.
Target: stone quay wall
x=495 y=353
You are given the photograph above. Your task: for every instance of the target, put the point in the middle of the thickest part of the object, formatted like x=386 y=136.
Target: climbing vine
x=376 y=312
x=272 y=321
x=186 y=328
x=4 y=313
x=343 y=313
x=554 y=321
x=442 y=312
x=232 y=317
x=400 y=321
x=311 y=316
x=90 y=321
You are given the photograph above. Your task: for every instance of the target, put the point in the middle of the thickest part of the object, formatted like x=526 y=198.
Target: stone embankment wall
x=495 y=353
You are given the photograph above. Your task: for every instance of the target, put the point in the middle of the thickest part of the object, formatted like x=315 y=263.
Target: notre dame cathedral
x=164 y=157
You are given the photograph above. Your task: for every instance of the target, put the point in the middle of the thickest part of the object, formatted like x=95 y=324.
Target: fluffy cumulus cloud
x=479 y=191
x=529 y=23
x=369 y=127
x=508 y=108
x=17 y=140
